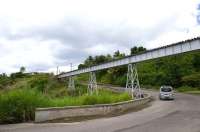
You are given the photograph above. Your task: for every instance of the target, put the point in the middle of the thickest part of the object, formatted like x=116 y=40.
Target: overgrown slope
x=20 y=95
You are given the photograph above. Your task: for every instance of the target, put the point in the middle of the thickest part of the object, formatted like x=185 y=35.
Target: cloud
x=198 y=14
x=28 y=53
x=66 y=32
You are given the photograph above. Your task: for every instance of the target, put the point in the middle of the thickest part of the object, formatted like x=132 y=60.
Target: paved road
x=180 y=115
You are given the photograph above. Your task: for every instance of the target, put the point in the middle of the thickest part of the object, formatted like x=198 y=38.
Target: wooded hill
x=181 y=70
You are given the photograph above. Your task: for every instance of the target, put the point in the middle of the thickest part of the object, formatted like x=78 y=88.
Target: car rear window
x=166 y=89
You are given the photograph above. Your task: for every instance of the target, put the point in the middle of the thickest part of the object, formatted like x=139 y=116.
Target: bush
x=105 y=97
x=186 y=89
x=19 y=105
x=39 y=82
x=4 y=81
x=123 y=97
x=78 y=91
x=89 y=100
x=16 y=75
x=192 y=80
x=120 y=80
x=47 y=84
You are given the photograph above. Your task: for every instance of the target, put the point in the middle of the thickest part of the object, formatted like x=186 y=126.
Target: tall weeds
x=19 y=105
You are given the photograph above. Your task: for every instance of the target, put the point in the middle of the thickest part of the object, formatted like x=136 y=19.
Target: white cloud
x=41 y=34
x=104 y=48
x=28 y=53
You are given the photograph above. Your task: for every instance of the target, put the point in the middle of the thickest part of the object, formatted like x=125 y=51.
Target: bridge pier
x=92 y=85
x=133 y=81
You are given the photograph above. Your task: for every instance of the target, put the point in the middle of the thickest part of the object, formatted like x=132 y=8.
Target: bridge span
x=172 y=49
x=132 y=81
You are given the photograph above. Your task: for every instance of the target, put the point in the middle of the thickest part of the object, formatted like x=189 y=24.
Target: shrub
x=192 y=80
x=78 y=91
x=39 y=82
x=19 y=105
x=123 y=97
x=105 y=97
x=89 y=100
x=186 y=89
x=16 y=75
x=4 y=81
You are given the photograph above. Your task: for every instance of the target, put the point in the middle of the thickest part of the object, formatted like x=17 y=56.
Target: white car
x=166 y=92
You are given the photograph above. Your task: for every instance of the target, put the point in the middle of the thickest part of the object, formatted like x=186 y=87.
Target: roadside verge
x=54 y=113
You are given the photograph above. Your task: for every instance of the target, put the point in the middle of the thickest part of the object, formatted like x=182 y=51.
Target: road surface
x=180 y=115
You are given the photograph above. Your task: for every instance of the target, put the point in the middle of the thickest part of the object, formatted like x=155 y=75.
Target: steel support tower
x=92 y=85
x=71 y=85
x=132 y=81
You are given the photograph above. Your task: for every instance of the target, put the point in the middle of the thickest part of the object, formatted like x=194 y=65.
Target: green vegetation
x=19 y=105
x=187 y=89
x=21 y=95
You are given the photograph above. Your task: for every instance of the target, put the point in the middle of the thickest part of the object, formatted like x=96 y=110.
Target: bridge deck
x=177 y=48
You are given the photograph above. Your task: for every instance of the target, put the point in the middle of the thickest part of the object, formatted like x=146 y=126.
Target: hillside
x=180 y=71
x=21 y=93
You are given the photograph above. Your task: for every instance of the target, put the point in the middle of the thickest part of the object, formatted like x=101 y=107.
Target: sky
x=43 y=34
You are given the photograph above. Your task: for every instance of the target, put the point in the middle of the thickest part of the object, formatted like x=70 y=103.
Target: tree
x=136 y=50
x=81 y=66
x=22 y=69
x=108 y=57
x=141 y=49
x=196 y=61
x=192 y=80
x=118 y=55
x=100 y=59
x=89 y=61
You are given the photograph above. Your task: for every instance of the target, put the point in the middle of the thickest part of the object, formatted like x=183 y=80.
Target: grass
x=187 y=89
x=193 y=92
x=19 y=101
x=18 y=105
x=103 y=97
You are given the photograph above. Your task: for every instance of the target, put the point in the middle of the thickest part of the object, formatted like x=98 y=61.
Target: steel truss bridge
x=132 y=77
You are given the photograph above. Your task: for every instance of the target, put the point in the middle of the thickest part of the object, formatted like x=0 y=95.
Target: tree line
x=99 y=59
x=178 y=70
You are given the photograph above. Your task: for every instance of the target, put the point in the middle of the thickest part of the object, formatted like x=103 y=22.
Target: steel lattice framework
x=132 y=81
x=92 y=85
x=173 y=49
x=71 y=85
